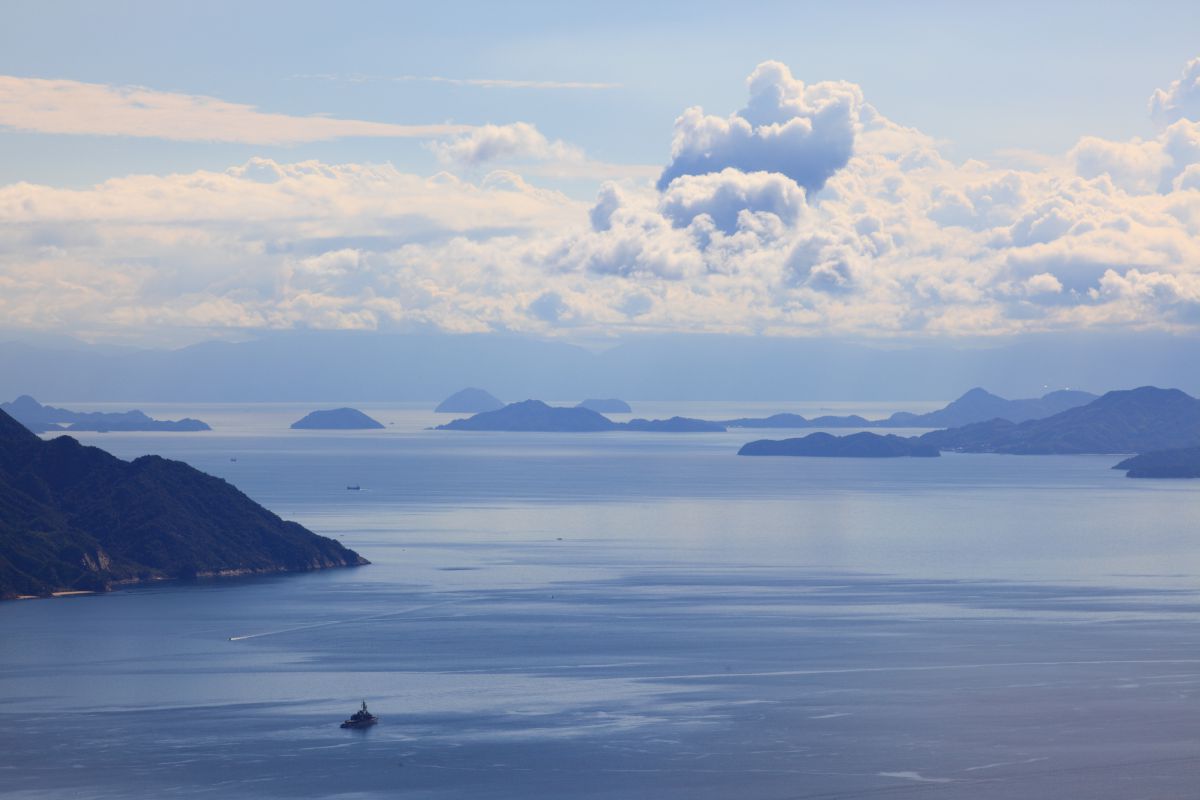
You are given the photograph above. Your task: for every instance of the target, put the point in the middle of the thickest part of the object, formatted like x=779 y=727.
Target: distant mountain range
x=76 y=518
x=1129 y=421
x=313 y=366
x=336 y=419
x=856 y=445
x=977 y=405
x=43 y=419
x=536 y=416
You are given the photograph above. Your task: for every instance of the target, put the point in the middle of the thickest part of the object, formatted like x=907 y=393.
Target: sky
x=171 y=173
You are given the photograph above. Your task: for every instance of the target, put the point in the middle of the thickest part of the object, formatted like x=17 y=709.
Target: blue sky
x=1031 y=76
x=172 y=172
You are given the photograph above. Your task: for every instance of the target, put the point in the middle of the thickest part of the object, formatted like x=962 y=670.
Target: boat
x=361 y=718
x=354 y=487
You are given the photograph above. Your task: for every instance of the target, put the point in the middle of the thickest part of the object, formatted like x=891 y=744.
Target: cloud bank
x=73 y=107
x=806 y=212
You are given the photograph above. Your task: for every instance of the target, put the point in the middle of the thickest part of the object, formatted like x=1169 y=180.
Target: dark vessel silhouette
x=361 y=718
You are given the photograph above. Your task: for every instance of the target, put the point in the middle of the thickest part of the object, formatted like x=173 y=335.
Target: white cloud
x=804 y=132
x=897 y=242
x=519 y=141
x=1181 y=99
x=521 y=144
x=74 y=107
x=1043 y=283
x=724 y=195
x=1141 y=166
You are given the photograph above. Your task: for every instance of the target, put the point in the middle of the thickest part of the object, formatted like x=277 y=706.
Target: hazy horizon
x=359 y=366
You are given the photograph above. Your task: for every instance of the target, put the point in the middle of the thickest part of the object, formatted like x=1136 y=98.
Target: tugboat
x=361 y=719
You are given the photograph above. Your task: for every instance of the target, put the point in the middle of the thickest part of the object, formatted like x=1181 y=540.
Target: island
x=336 y=419
x=1182 y=462
x=1127 y=421
x=75 y=518
x=980 y=405
x=673 y=425
x=786 y=420
x=469 y=401
x=534 y=416
x=45 y=419
x=977 y=405
x=856 y=445
x=608 y=405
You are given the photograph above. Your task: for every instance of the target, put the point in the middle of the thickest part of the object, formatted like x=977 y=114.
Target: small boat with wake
x=361 y=718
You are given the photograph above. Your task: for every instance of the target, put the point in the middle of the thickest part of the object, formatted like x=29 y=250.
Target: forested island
x=856 y=445
x=75 y=518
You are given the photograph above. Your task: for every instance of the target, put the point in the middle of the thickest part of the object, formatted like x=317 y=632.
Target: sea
x=631 y=615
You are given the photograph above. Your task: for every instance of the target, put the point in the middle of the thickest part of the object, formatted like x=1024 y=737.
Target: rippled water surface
x=632 y=615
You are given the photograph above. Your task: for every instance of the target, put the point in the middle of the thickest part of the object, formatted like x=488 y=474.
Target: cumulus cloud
x=1140 y=166
x=804 y=132
x=519 y=141
x=884 y=237
x=725 y=195
x=1181 y=99
x=521 y=144
x=74 y=107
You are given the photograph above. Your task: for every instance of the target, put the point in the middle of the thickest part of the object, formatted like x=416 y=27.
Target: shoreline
x=214 y=575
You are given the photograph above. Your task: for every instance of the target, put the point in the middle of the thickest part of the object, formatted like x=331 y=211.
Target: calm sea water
x=632 y=616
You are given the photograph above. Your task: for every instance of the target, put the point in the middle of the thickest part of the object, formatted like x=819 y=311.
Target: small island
x=47 y=419
x=788 y=420
x=469 y=401
x=77 y=519
x=607 y=405
x=336 y=419
x=856 y=445
x=1183 y=462
x=673 y=425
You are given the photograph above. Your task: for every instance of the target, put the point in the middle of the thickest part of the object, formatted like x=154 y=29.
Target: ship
x=361 y=718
